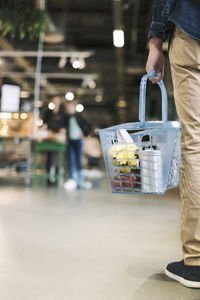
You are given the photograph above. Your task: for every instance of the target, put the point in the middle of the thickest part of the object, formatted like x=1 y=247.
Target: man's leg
x=185 y=67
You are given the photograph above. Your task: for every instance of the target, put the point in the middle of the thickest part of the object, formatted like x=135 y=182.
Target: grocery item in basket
x=124 y=154
x=126 y=170
x=151 y=169
x=126 y=182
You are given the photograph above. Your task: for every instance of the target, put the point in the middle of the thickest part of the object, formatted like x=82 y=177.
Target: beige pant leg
x=185 y=67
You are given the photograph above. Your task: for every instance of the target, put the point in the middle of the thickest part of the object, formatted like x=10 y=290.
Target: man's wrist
x=155 y=43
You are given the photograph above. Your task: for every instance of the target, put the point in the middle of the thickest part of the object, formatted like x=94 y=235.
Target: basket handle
x=142 y=98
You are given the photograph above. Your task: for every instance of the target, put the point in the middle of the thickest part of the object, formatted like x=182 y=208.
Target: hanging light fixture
x=98 y=98
x=79 y=107
x=82 y=63
x=75 y=63
x=51 y=106
x=89 y=82
x=69 y=96
x=92 y=84
x=78 y=62
x=23 y=116
x=62 y=62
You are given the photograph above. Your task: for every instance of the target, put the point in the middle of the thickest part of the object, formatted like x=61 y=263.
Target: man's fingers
x=157 y=78
x=160 y=76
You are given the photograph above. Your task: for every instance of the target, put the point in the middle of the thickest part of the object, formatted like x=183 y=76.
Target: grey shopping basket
x=143 y=157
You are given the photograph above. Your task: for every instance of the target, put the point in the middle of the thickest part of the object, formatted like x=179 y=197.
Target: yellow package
x=124 y=154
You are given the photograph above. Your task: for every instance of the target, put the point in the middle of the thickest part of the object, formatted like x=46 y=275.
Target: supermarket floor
x=88 y=245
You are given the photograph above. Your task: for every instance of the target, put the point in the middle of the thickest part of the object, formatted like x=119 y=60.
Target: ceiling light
x=98 y=98
x=24 y=94
x=51 y=106
x=69 y=96
x=122 y=103
x=84 y=83
x=23 y=116
x=79 y=108
x=88 y=82
x=92 y=84
x=82 y=63
x=75 y=63
x=62 y=62
x=39 y=122
x=118 y=38
x=16 y=116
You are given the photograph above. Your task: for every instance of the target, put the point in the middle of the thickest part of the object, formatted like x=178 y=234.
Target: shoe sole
x=188 y=283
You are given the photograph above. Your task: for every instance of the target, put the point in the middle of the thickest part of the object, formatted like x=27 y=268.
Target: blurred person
x=53 y=120
x=180 y=20
x=77 y=127
x=92 y=150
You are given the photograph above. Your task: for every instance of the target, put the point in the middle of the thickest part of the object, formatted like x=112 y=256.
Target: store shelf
x=15 y=158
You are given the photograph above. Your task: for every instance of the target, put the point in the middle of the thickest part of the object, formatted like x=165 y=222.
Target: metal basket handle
x=142 y=98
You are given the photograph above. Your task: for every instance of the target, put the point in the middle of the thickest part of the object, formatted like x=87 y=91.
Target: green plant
x=27 y=23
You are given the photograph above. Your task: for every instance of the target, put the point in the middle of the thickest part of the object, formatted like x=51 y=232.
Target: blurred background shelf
x=15 y=158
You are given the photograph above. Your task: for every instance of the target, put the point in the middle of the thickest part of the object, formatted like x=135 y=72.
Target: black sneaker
x=187 y=275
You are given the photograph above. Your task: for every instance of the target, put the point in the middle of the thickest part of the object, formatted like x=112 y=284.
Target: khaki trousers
x=185 y=67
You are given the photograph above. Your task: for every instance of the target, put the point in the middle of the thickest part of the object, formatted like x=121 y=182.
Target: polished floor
x=88 y=245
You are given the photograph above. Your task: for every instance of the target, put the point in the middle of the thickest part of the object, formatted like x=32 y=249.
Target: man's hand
x=156 y=59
